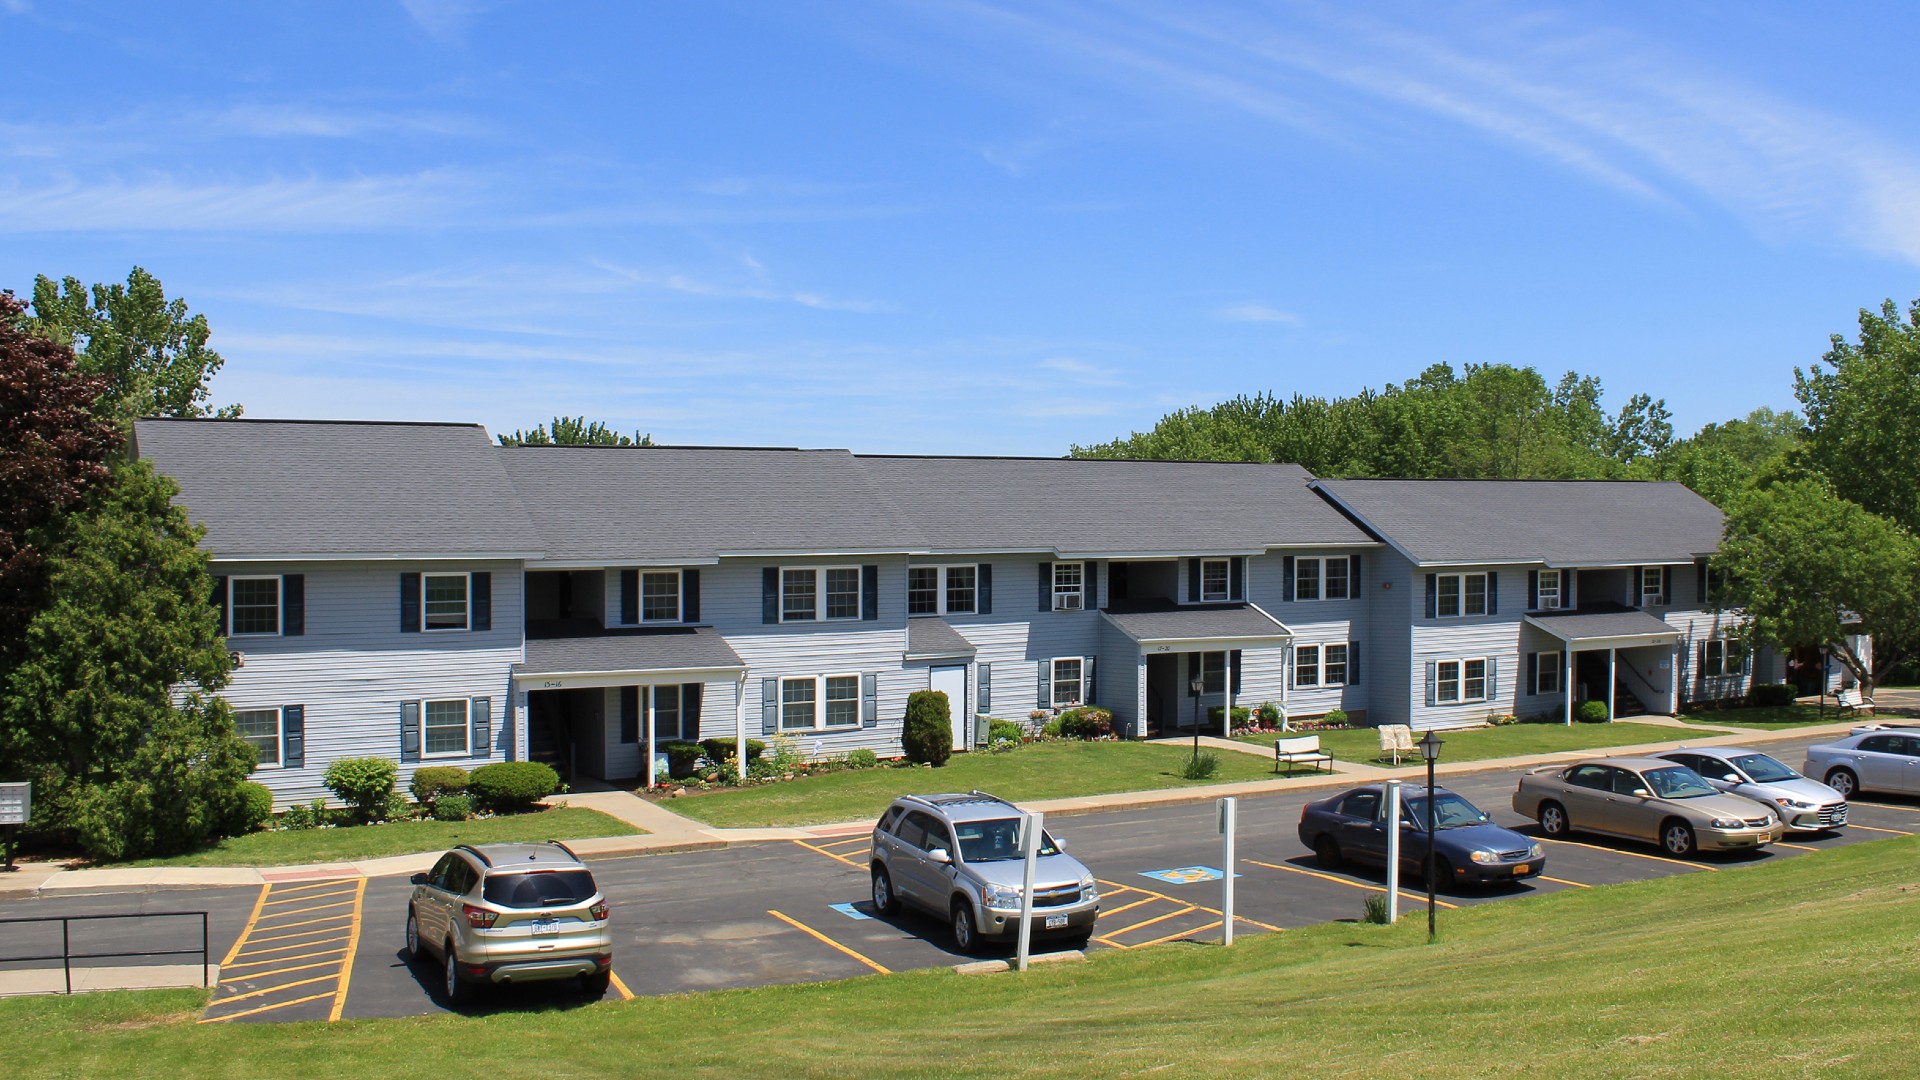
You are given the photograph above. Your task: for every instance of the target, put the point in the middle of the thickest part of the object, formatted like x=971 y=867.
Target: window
x=1213 y=673
x=1066 y=682
x=1653 y=585
x=960 y=589
x=445 y=600
x=1460 y=594
x=253 y=605
x=1597 y=777
x=1474 y=678
x=942 y=590
x=812 y=593
x=1364 y=805
x=1215 y=578
x=1447 y=689
x=1321 y=579
x=1546 y=674
x=660 y=596
x=1067 y=592
x=260 y=729
x=797 y=697
x=666 y=713
x=1549 y=590
x=1458 y=681
x=1722 y=656
x=446 y=728
x=812 y=703
x=1306 y=665
x=1336 y=579
x=1334 y=673
x=843 y=701
x=923 y=590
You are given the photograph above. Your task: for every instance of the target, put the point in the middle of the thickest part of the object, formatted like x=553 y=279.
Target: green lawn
x=1036 y=771
x=1363 y=744
x=1770 y=717
x=1654 y=978
x=398 y=838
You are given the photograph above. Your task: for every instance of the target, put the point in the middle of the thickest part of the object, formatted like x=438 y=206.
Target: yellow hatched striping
x=1214 y=925
x=1130 y=928
x=261 y=1009
x=334 y=937
x=284 y=959
x=1176 y=900
x=818 y=936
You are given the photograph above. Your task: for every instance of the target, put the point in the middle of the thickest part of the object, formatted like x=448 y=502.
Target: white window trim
x=1078 y=594
x=279 y=737
x=1226 y=582
x=466 y=619
x=1346 y=660
x=466 y=729
x=1346 y=592
x=1541 y=669
x=820 y=592
x=679 y=596
x=1463 y=613
x=1460 y=680
x=1320 y=665
x=940 y=587
x=1653 y=599
x=1053 y=682
x=1727 y=647
x=1541 y=592
x=1299 y=667
x=820 y=701
x=279 y=605
x=1319 y=563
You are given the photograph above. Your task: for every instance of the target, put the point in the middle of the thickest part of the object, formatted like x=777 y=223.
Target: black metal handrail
x=67 y=956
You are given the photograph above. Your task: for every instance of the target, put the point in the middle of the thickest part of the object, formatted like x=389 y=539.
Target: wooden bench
x=1851 y=701
x=1290 y=752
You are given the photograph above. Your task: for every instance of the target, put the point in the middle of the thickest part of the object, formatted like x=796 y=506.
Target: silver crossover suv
x=508 y=913
x=958 y=858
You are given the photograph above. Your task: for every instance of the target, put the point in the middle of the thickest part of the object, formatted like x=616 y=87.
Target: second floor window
x=1321 y=579
x=254 y=605
x=1549 y=591
x=445 y=600
x=1215 y=579
x=1460 y=594
x=1067 y=592
x=1653 y=585
x=943 y=590
x=660 y=596
x=814 y=593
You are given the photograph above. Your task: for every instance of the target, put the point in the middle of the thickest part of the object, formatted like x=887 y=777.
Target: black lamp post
x=1194 y=688
x=1430 y=749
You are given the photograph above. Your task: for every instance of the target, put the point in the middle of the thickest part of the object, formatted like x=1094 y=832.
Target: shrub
x=1268 y=714
x=1241 y=716
x=1334 y=717
x=1005 y=731
x=1051 y=729
x=510 y=786
x=452 y=808
x=1201 y=766
x=863 y=759
x=252 y=808
x=363 y=784
x=433 y=781
x=304 y=816
x=1086 y=722
x=1495 y=719
x=1771 y=694
x=719 y=750
x=928 y=734
x=681 y=758
x=398 y=808
x=1590 y=712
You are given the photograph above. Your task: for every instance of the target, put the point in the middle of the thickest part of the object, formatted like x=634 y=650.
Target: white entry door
x=952 y=681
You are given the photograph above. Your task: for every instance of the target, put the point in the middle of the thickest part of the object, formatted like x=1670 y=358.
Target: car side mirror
x=939 y=855
x=1060 y=843
x=1642 y=793
x=418 y=879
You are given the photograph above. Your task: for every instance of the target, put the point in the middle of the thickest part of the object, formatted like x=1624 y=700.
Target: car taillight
x=479 y=917
x=598 y=911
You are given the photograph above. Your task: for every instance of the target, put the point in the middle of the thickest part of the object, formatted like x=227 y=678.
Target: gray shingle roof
x=666 y=649
x=1098 y=507
x=266 y=488
x=1559 y=522
x=1171 y=622
x=932 y=637
x=1576 y=625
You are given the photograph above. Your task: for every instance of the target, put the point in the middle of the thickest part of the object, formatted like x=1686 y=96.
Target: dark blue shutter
x=1433 y=597
x=1639 y=575
x=1493 y=593
x=1432 y=681
x=480 y=722
x=1237 y=572
x=293 y=604
x=409 y=603
x=689 y=596
x=1046 y=586
x=482 y=600
x=1568 y=585
x=770 y=595
x=1533 y=590
x=1087 y=682
x=869 y=701
x=983 y=586
x=1700 y=582
x=1533 y=673
x=1286 y=578
x=1353 y=663
x=220 y=601
x=293 y=736
x=629 y=597
x=1090 y=585
x=985 y=691
x=1233 y=663
x=1044 y=698
x=1353 y=576
x=409 y=731
x=1193 y=581
x=869 y=593
x=769 y=708
x=629 y=714
x=691 y=695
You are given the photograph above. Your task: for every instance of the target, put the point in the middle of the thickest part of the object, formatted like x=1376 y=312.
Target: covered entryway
x=1181 y=648
x=949 y=656
x=1616 y=654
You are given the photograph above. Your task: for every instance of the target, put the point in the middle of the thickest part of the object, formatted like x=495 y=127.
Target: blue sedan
x=1468 y=849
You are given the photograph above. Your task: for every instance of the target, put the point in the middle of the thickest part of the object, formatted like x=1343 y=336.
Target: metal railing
x=67 y=956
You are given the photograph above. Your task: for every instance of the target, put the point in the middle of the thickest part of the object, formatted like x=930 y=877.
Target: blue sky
x=967 y=227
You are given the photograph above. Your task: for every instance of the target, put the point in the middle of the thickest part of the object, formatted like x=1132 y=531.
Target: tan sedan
x=1644 y=799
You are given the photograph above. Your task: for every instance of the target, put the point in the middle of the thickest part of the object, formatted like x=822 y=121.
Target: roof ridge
x=301 y=420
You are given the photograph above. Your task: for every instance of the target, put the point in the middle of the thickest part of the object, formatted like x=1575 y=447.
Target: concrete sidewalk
x=89 y=979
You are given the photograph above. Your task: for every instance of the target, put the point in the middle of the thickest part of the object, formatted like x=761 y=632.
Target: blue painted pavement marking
x=850 y=911
x=1185 y=875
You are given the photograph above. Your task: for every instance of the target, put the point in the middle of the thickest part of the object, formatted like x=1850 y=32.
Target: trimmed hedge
x=1591 y=712
x=719 y=750
x=1771 y=694
x=453 y=808
x=681 y=757
x=252 y=808
x=928 y=734
x=432 y=782
x=365 y=784
x=511 y=786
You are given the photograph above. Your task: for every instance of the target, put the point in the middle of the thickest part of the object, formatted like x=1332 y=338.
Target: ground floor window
x=446 y=728
x=1306 y=665
x=1546 y=678
x=1722 y=657
x=1066 y=682
x=260 y=729
x=811 y=703
x=1457 y=681
x=666 y=712
x=1333 y=669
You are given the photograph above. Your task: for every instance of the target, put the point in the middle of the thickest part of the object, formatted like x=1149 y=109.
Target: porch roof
x=930 y=638
x=654 y=649
x=1167 y=622
x=1613 y=624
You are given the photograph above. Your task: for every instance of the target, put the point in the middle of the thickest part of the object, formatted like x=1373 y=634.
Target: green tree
x=574 y=431
x=1863 y=414
x=1721 y=461
x=111 y=709
x=1809 y=567
x=152 y=351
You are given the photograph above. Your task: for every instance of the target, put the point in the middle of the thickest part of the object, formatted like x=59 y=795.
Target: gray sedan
x=1803 y=805
x=1872 y=758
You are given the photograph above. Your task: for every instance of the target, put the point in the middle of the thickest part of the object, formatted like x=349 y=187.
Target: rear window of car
x=539 y=888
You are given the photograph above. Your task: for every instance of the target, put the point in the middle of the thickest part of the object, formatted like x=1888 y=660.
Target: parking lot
x=796 y=911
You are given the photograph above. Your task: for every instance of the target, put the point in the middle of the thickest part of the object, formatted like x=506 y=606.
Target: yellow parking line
x=261 y=1009
x=1418 y=897
x=304 y=910
x=248 y=929
x=625 y=994
x=1201 y=907
x=282 y=960
x=1126 y=907
x=303 y=933
x=827 y=853
x=1635 y=854
x=283 y=948
x=314 y=896
x=861 y=839
x=1564 y=881
x=1796 y=847
x=277 y=972
x=353 y=947
x=283 y=889
x=276 y=989
x=1870 y=828
x=817 y=935
x=1214 y=925
x=1885 y=805
x=1156 y=919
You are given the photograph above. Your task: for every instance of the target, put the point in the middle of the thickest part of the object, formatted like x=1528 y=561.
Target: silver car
x=1803 y=805
x=957 y=857
x=1877 y=757
x=510 y=913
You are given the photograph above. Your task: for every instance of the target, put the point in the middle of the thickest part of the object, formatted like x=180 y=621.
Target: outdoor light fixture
x=1430 y=749
x=1194 y=688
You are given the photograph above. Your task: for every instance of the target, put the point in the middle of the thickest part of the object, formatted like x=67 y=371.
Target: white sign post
x=1030 y=841
x=1229 y=822
x=1393 y=851
x=16 y=806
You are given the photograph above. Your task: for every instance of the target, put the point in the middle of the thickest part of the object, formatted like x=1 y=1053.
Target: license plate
x=1521 y=869
x=545 y=926
x=1056 y=922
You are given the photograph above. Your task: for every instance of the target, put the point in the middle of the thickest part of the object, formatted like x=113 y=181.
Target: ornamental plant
x=928 y=735
x=365 y=784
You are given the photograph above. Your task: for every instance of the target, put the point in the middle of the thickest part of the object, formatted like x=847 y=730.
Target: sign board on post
x=16 y=806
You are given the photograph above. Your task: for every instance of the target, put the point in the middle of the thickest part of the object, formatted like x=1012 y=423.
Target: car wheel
x=964 y=937
x=1326 y=852
x=596 y=984
x=1844 y=782
x=1677 y=838
x=884 y=902
x=458 y=992
x=1553 y=819
x=413 y=936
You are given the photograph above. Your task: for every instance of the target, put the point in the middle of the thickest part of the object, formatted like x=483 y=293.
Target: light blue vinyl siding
x=1313 y=622
x=1494 y=637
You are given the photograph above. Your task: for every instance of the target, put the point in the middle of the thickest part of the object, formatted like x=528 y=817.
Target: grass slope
x=397 y=838
x=1037 y=771
x=1477 y=744
x=1795 y=967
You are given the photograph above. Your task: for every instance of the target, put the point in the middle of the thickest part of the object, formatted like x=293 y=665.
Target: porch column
x=1566 y=684
x=1226 y=712
x=650 y=778
x=740 y=725
x=1612 y=675
x=1673 y=683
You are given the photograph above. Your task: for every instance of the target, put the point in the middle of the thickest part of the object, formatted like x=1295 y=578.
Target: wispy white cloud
x=1084 y=372
x=306 y=121
x=694 y=286
x=163 y=203
x=15 y=7
x=445 y=21
x=1256 y=313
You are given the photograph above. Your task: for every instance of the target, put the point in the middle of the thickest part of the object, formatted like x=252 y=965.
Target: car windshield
x=1450 y=811
x=539 y=889
x=1764 y=769
x=1678 y=782
x=995 y=840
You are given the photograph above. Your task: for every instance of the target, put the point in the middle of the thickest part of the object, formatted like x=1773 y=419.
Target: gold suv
x=511 y=913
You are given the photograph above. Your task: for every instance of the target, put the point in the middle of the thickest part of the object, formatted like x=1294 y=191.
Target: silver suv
x=510 y=913
x=958 y=857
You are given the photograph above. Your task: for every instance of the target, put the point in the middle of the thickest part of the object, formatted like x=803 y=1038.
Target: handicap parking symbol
x=1184 y=875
